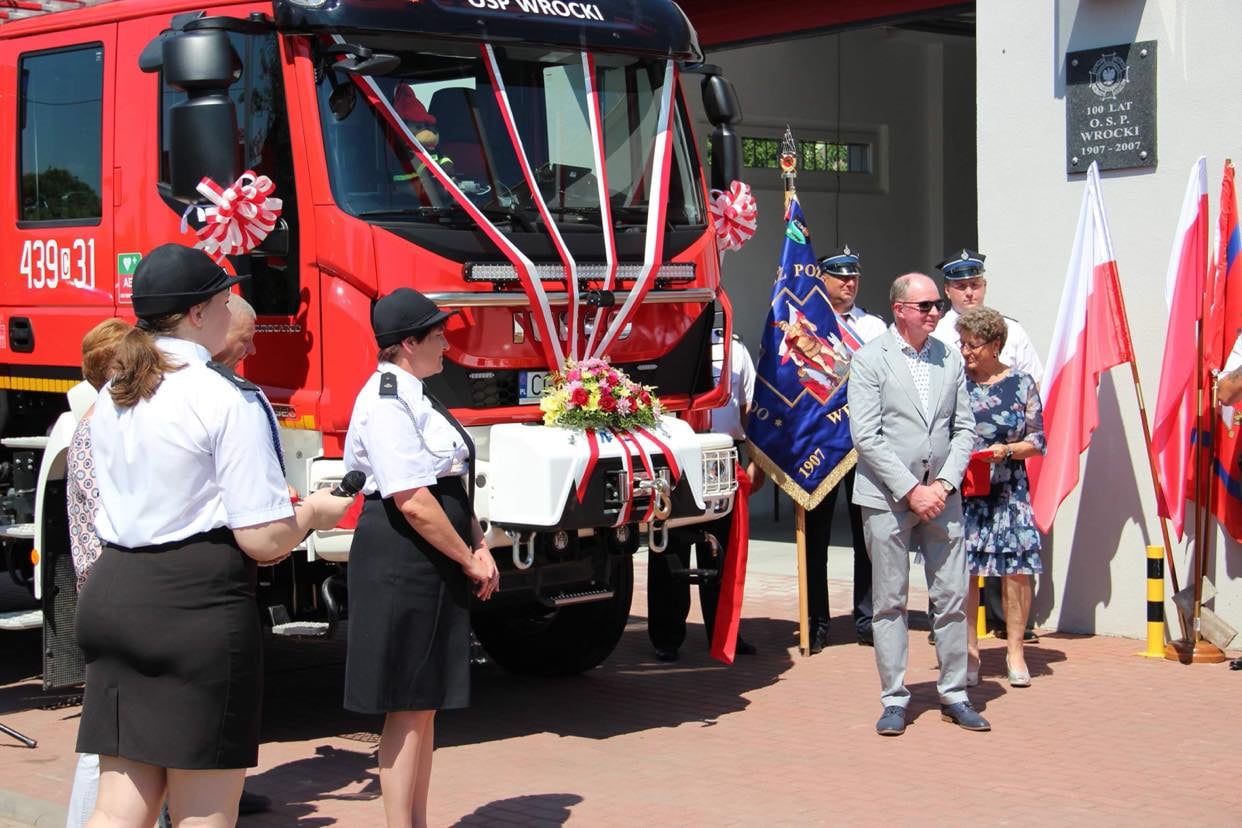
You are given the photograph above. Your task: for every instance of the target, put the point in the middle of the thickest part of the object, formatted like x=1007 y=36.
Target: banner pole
x=804 y=621
x=1151 y=454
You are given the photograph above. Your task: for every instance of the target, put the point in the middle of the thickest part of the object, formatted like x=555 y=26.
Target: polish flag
x=1185 y=284
x=1091 y=336
x=1220 y=332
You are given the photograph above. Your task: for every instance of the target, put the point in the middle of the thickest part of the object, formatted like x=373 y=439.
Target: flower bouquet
x=593 y=394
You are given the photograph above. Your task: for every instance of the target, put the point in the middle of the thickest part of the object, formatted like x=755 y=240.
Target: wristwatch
x=948 y=487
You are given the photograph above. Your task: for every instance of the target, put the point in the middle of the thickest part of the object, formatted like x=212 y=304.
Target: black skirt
x=174 y=654
x=409 y=626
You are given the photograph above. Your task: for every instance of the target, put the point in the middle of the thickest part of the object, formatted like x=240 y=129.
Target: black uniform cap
x=173 y=278
x=403 y=313
x=964 y=265
x=844 y=263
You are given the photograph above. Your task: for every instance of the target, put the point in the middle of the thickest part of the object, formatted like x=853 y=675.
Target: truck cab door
x=55 y=274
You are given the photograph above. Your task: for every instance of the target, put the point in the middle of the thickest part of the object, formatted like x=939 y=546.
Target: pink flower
x=624 y=406
x=573 y=375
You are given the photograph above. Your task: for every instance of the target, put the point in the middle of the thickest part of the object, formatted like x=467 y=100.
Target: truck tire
x=536 y=641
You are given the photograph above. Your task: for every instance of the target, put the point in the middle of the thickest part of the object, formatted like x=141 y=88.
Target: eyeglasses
x=926 y=305
x=975 y=346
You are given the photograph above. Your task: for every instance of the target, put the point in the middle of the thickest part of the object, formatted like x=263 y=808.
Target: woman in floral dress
x=1001 y=537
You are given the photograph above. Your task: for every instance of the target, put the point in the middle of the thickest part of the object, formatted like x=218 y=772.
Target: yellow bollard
x=981 y=616
x=1155 y=603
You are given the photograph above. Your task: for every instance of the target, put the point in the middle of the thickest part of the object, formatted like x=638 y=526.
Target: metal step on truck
x=558 y=202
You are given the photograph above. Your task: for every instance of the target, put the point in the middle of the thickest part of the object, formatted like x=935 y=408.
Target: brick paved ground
x=1102 y=738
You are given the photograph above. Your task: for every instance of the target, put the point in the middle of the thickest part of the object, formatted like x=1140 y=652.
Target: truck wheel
x=561 y=642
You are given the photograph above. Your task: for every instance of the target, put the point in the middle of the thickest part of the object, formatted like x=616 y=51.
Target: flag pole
x=1147 y=444
x=804 y=621
x=789 y=172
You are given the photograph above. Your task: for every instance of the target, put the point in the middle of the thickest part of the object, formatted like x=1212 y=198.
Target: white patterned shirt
x=919 y=363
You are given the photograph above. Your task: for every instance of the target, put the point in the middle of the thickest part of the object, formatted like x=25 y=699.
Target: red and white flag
x=1185 y=283
x=1091 y=336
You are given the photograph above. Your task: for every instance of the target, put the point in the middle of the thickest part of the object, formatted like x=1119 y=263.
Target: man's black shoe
x=892 y=722
x=819 y=636
x=668 y=655
x=744 y=647
x=253 y=803
x=931 y=637
x=866 y=638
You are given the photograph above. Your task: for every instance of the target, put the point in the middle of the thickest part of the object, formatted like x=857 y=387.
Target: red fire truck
x=528 y=162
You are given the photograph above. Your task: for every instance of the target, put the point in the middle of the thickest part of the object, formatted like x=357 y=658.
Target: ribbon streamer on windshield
x=536 y=195
x=596 y=121
x=657 y=209
x=528 y=276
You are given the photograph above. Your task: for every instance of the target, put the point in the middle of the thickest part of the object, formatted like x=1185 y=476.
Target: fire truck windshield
x=443 y=93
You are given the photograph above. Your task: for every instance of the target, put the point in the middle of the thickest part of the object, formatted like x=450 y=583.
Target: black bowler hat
x=964 y=265
x=403 y=313
x=173 y=278
x=844 y=263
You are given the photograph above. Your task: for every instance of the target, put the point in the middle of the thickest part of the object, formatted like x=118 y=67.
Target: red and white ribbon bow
x=735 y=214
x=240 y=217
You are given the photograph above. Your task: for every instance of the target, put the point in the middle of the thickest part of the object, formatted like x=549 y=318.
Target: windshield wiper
x=447 y=211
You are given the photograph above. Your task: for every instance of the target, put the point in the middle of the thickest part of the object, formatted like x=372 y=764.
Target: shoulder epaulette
x=227 y=372
x=388 y=384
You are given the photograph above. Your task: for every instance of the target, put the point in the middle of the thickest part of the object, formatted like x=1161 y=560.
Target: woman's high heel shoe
x=1017 y=679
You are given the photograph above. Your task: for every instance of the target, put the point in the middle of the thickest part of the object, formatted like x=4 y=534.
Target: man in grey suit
x=912 y=425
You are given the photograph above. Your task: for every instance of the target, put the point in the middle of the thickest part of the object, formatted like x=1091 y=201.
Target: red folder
x=977 y=481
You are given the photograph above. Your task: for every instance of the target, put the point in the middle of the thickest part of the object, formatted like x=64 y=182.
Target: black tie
x=444 y=412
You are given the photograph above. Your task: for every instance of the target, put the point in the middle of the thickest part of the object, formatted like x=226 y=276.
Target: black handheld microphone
x=350 y=484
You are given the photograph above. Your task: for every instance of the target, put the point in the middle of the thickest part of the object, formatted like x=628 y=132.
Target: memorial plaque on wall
x=1110 y=107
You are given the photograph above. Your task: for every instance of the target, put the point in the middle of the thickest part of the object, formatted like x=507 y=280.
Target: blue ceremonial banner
x=799 y=427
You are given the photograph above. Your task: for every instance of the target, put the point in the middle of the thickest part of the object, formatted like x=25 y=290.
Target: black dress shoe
x=253 y=803
x=819 y=637
x=668 y=655
x=744 y=647
x=866 y=638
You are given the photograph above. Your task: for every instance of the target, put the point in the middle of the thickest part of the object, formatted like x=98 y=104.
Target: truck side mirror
x=203 y=128
x=720 y=101
x=726 y=157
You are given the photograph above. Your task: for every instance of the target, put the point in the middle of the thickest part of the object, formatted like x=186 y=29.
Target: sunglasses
x=926 y=305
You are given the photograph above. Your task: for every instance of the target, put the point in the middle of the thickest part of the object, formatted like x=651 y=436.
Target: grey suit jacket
x=898 y=445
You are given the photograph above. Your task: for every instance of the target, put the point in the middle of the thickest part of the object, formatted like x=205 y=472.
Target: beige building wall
x=1028 y=207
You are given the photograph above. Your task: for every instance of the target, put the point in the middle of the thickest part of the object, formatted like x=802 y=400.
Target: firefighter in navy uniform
x=668 y=589
x=192 y=498
x=966 y=287
x=840 y=273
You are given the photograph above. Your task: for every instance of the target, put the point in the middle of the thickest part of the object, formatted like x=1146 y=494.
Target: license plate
x=531 y=385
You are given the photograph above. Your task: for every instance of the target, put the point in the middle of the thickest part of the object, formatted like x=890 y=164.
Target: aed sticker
x=126 y=264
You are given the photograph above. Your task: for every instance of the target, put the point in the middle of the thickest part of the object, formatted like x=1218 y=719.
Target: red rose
x=579 y=397
x=607 y=402
x=644 y=397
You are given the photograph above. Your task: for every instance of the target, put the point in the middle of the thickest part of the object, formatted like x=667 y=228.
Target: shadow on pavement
x=993 y=683
x=630 y=692
x=535 y=809
x=297 y=787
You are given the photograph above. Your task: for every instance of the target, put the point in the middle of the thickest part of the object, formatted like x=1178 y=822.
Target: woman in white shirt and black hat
x=417 y=554
x=192 y=498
